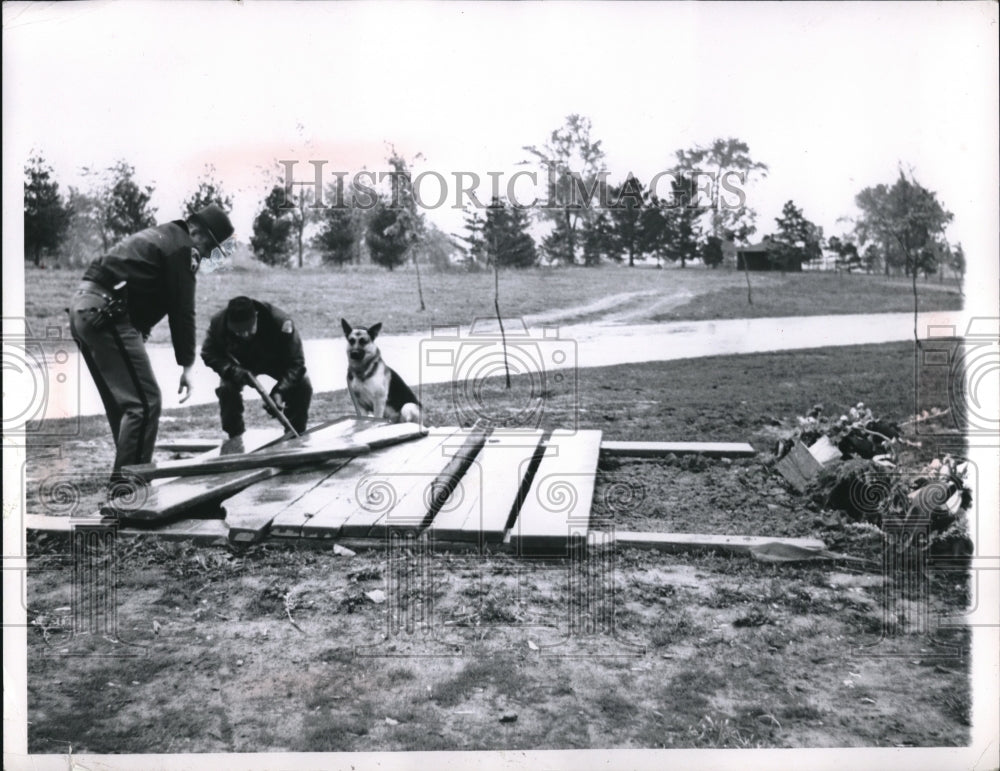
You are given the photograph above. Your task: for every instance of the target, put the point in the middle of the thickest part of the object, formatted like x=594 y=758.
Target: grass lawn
x=280 y=647
x=318 y=298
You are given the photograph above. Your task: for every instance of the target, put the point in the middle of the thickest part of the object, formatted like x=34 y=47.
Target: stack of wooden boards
x=360 y=480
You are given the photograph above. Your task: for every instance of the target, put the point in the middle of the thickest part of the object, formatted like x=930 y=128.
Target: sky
x=832 y=97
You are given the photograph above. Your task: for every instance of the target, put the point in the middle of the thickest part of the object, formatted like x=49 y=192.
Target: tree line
x=698 y=213
x=72 y=229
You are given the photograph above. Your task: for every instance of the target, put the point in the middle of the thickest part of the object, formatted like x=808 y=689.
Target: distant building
x=763 y=256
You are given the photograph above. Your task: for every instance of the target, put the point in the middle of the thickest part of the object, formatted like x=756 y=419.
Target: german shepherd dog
x=375 y=388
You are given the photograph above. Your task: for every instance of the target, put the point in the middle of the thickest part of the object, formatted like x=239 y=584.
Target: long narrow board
x=168 y=498
x=660 y=449
x=480 y=509
x=435 y=481
x=322 y=445
x=735 y=544
x=559 y=499
x=349 y=424
x=167 y=501
x=323 y=512
x=188 y=445
x=209 y=531
x=203 y=531
x=250 y=513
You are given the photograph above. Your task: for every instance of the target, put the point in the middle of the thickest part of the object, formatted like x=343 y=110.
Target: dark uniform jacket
x=159 y=265
x=276 y=349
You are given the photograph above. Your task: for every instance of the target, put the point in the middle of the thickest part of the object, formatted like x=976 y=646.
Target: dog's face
x=360 y=342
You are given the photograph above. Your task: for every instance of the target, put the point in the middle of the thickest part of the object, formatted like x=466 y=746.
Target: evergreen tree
x=338 y=235
x=626 y=204
x=682 y=215
x=475 y=248
x=599 y=241
x=46 y=215
x=798 y=239
x=386 y=240
x=711 y=253
x=208 y=192
x=271 y=241
x=505 y=237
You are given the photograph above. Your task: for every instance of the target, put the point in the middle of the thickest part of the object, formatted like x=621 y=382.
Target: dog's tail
x=410 y=413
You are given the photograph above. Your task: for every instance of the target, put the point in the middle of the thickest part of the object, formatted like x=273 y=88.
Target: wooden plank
x=799 y=467
x=323 y=512
x=158 y=503
x=202 y=530
x=438 y=482
x=738 y=544
x=189 y=445
x=253 y=439
x=559 y=499
x=490 y=490
x=323 y=445
x=659 y=449
x=52 y=524
x=168 y=499
x=171 y=502
x=250 y=441
x=379 y=436
x=389 y=488
x=250 y=512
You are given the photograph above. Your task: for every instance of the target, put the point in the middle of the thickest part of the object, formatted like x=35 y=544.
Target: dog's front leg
x=379 y=405
x=357 y=405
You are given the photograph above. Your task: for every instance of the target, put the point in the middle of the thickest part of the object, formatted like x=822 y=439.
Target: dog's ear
x=373 y=331
x=347 y=328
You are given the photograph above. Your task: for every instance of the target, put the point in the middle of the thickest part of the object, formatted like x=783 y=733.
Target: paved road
x=437 y=358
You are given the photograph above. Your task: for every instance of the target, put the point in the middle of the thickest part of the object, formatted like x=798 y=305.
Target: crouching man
x=253 y=337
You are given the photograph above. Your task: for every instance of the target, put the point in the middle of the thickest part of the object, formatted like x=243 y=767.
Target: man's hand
x=279 y=400
x=186 y=385
x=237 y=374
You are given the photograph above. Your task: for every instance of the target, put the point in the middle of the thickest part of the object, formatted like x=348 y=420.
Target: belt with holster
x=115 y=299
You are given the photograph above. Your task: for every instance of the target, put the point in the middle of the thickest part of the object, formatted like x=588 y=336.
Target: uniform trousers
x=116 y=356
x=297 y=400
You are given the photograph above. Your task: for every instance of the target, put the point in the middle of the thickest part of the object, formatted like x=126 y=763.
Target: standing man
x=249 y=336
x=123 y=295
